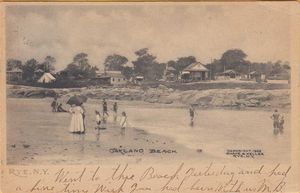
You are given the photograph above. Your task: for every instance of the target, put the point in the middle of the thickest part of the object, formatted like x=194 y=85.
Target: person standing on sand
x=104 y=107
x=192 y=114
x=115 y=110
x=123 y=123
x=275 y=118
x=83 y=114
x=54 y=104
x=76 y=125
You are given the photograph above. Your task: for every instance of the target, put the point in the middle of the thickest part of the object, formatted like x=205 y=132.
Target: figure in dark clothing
x=83 y=114
x=104 y=108
x=60 y=109
x=275 y=118
x=192 y=114
x=115 y=110
x=54 y=104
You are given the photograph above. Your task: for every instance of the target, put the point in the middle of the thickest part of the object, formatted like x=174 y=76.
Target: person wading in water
x=275 y=118
x=104 y=108
x=192 y=114
x=115 y=110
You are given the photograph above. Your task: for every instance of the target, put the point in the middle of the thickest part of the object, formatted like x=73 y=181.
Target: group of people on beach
x=101 y=119
x=77 y=124
x=57 y=106
x=78 y=115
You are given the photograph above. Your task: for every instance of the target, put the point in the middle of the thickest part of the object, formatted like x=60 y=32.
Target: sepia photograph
x=147 y=82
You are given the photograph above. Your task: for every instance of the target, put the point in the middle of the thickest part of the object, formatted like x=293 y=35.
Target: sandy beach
x=156 y=133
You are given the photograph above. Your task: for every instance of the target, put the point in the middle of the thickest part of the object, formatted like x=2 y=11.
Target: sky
x=169 y=30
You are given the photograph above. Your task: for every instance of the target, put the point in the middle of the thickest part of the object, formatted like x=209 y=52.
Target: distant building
x=116 y=77
x=14 y=74
x=258 y=77
x=169 y=73
x=110 y=77
x=46 y=78
x=195 y=72
x=138 y=79
x=253 y=75
x=230 y=73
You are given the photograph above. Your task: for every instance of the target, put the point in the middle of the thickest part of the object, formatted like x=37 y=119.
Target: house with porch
x=14 y=75
x=110 y=77
x=195 y=72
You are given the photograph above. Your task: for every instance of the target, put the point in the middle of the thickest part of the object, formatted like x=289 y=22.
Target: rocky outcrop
x=233 y=98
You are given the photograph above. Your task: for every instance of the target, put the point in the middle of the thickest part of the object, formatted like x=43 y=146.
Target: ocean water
x=215 y=131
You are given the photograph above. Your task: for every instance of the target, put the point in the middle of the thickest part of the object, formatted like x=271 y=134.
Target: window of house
x=118 y=80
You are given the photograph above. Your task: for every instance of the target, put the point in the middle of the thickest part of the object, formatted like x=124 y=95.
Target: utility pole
x=249 y=71
x=210 y=69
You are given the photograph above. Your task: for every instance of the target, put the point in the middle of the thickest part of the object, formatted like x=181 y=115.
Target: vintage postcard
x=150 y=97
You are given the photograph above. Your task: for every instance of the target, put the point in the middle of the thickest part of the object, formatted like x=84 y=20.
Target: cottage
x=116 y=77
x=169 y=73
x=195 y=72
x=258 y=77
x=14 y=74
x=230 y=73
x=111 y=77
x=253 y=75
x=138 y=79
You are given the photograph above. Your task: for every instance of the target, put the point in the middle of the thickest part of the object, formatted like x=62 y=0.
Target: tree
x=147 y=65
x=215 y=67
x=48 y=64
x=127 y=72
x=286 y=66
x=233 y=59
x=115 y=62
x=29 y=68
x=181 y=63
x=80 y=67
x=12 y=63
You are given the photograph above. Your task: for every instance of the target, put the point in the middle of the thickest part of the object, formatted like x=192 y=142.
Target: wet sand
x=38 y=136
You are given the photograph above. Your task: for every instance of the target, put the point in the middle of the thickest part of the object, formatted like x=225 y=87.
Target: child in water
x=281 y=124
x=98 y=119
x=123 y=123
x=99 y=124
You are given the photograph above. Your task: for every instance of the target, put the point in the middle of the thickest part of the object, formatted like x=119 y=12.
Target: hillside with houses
x=144 y=79
x=117 y=70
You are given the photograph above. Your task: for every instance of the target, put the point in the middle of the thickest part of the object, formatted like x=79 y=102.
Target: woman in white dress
x=77 y=125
